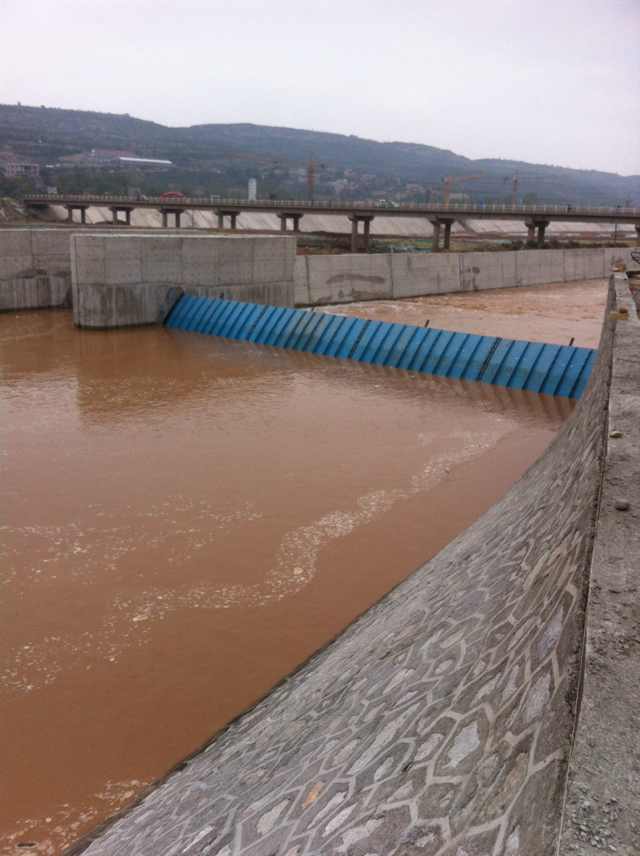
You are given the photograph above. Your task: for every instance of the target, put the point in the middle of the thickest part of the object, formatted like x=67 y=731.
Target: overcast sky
x=547 y=81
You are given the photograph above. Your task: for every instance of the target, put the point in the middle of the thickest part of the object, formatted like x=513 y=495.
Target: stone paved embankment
x=441 y=722
x=603 y=798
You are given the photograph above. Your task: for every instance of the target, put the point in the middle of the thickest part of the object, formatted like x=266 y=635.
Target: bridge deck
x=365 y=208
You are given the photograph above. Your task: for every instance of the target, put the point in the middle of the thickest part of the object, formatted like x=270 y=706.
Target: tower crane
x=311 y=178
x=517 y=177
x=450 y=180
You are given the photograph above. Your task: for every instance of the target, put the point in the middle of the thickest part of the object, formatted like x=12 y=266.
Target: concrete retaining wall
x=350 y=278
x=35 y=269
x=440 y=723
x=122 y=280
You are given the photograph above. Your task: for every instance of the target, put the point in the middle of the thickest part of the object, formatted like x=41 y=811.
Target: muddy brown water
x=554 y=313
x=184 y=520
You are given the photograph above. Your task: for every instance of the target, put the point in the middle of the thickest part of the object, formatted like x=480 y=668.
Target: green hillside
x=220 y=158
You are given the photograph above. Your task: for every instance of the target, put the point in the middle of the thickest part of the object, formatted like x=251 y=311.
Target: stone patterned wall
x=439 y=723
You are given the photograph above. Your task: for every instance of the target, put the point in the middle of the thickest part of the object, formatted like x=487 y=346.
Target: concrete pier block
x=124 y=280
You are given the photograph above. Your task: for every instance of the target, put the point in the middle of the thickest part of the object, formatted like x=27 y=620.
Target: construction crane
x=311 y=178
x=514 y=179
x=517 y=177
x=448 y=182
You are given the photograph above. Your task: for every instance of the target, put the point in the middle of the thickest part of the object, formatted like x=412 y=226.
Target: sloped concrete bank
x=350 y=278
x=603 y=796
x=441 y=721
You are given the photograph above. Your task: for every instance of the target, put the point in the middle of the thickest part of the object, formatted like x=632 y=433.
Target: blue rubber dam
x=535 y=366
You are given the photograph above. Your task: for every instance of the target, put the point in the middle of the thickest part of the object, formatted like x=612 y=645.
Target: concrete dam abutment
x=442 y=721
x=119 y=280
x=124 y=280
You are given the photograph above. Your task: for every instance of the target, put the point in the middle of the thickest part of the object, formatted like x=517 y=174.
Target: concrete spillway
x=534 y=366
x=441 y=721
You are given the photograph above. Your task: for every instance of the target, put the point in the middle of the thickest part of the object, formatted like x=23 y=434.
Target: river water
x=541 y=313
x=184 y=520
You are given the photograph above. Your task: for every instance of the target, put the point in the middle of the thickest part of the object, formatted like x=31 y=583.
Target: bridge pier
x=531 y=231
x=177 y=213
x=284 y=216
x=356 y=244
x=435 y=240
x=437 y=222
x=81 y=208
x=447 y=234
x=233 y=218
x=539 y=225
x=638 y=234
x=535 y=217
x=115 y=213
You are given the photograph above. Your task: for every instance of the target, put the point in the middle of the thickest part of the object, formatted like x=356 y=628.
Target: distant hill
x=219 y=158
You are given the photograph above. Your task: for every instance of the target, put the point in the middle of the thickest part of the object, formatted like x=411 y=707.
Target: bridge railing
x=347 y=207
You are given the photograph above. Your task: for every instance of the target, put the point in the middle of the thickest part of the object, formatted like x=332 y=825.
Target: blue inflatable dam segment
x=550 y=369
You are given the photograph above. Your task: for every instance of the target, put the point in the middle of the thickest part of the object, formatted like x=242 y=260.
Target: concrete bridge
x=360 y=213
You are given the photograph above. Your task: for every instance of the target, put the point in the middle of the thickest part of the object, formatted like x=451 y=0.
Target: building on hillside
x=113 y=159
x=143 y=163
x=95 y=158
x=12 y=166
